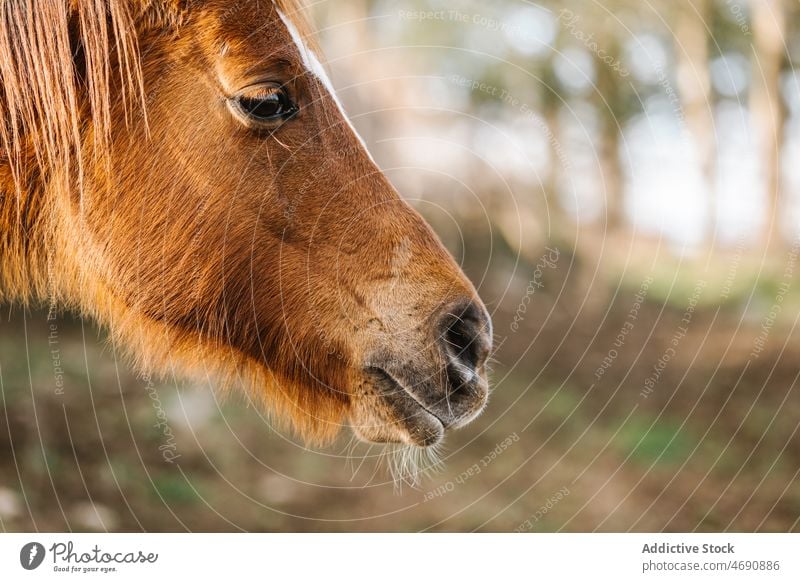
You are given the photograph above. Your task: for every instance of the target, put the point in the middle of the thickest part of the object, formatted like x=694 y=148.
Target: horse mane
x=58 y=61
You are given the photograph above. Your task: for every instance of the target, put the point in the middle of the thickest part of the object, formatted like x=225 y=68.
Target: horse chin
x=421 y=432
x=387 y=413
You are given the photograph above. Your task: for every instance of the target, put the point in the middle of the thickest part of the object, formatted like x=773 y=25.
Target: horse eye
x=263 y=104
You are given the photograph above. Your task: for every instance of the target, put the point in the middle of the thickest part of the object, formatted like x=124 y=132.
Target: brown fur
x=131 y=195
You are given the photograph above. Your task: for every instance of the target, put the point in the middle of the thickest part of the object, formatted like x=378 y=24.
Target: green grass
x=662 y=443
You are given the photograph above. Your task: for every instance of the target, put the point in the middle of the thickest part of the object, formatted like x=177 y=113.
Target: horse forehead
x=252 y=29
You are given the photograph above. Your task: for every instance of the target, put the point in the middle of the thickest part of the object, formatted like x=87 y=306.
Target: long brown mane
x=56 y=67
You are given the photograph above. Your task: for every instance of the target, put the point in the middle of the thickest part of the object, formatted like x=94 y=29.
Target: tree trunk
x=766 y=106
x=609 y=104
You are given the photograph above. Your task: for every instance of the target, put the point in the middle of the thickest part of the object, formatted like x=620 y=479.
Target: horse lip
x=388 y=378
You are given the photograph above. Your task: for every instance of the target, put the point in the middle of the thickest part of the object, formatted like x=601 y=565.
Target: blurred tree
x=552 y=101
x=610 y=102
x=766 y=105
x=596 y=28
x=694 y=87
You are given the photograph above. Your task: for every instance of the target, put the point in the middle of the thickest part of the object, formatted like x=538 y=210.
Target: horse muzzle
x=414 y=394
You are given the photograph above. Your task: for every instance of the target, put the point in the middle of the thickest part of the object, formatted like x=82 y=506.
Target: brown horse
x=182 y=172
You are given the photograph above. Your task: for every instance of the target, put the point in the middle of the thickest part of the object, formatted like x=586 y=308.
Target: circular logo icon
x=31 y=555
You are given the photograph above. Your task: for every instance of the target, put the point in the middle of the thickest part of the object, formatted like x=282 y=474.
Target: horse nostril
x=466 y=337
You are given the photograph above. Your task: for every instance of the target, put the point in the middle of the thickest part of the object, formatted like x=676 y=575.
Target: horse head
x=200 y=190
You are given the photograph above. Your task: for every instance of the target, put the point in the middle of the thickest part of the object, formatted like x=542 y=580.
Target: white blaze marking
x=312 y=64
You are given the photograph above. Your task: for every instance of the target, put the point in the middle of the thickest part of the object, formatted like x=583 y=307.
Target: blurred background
x=620 y=179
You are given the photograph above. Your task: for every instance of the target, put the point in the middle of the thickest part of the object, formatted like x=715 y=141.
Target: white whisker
x=409 y=464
